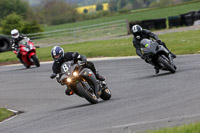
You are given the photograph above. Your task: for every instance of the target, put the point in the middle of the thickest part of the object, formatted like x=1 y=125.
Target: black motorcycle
x=157 y=55
x=83 y=82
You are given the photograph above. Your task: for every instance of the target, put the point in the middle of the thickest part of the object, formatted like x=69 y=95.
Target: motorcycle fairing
x=88 y=74
x=27 y=50
x=150 y=47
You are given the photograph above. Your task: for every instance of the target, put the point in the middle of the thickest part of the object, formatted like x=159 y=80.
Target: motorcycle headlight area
x=26 y=49
x=31 y=46
x=67 y=80
x=75 y=74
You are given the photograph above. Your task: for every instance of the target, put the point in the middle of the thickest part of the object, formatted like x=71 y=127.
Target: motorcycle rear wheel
x=35 y=60
x=106 y=94
x=166 y=64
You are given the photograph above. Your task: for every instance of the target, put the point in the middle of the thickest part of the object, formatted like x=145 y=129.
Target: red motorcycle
x=28 y=53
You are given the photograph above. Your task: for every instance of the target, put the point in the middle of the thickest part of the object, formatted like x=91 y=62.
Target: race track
x=140 y=99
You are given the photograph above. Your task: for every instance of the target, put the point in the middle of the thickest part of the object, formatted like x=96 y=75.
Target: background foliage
x=56 y=12
x=14 y=21
x=17 y=14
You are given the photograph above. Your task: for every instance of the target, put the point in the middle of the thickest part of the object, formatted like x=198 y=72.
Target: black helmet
x=57 y=53
x=137 y=31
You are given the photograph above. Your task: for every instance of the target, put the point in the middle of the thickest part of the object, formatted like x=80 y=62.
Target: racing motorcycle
x=157 y=55
x=82 y=82
x=28 y=53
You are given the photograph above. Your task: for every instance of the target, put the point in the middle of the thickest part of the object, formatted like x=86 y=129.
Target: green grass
x=4 y=114
x=180 y=43
x=135 y=15
x=191 y=128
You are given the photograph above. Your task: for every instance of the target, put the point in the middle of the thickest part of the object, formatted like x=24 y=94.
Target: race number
x=65 y=68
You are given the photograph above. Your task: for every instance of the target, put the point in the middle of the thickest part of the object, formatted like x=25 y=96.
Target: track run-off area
x=141 y=100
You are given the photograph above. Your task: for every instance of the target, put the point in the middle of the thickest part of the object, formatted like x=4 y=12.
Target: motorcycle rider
x=60 y=57
x=16 y=38
x=139 y=34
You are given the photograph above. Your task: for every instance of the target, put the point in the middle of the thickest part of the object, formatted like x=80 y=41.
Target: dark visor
x=15 y=34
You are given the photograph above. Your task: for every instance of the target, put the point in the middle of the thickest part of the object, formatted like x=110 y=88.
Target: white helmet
x=15 y=33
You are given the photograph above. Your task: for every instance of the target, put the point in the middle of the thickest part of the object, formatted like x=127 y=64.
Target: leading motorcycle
x=157 y=55
x=82 y=82
x=28 y=53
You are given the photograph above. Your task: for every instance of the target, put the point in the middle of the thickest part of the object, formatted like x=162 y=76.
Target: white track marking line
x=9 y=119
x=159 y=120
x=14 y=111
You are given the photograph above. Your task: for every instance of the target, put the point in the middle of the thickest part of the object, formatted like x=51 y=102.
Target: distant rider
x=60 y=57
x=16 y=38
x=139 y=34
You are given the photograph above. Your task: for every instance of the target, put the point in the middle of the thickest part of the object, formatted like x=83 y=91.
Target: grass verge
x=187 y=42
x=191 y=128
x=4 y=114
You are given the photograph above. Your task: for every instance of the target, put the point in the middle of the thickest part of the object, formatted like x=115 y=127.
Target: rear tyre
x=35 y=60
x=166 y=64
x=106 y=94
x=84 y=91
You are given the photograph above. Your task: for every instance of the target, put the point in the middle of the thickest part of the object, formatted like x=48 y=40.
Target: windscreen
x=24 y=42
x=145 y=43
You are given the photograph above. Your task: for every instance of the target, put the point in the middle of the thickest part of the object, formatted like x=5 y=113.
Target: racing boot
x=104 y=85
x=156 y=70
x=99 y=77
x=69 y=92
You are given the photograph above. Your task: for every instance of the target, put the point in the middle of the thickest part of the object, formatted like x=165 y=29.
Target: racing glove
x=83 y=63
x=159 y=42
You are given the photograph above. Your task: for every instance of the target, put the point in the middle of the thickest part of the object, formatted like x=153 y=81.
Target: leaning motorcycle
x=82 y=82
x=28 y=53
x=157 y=55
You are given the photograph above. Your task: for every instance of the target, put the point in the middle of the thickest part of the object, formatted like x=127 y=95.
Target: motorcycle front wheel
x=35 y=60
x=166 y=64
x=84 y=92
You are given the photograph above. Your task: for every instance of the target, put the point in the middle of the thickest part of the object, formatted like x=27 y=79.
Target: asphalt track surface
x=140 y=99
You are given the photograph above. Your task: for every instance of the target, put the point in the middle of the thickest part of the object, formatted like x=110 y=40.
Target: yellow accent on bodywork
x=146 y=45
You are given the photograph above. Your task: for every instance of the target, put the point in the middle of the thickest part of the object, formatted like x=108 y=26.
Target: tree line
x=117 y=5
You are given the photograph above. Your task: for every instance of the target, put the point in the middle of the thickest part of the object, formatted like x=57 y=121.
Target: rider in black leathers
x=139 y=34
x=60 y=57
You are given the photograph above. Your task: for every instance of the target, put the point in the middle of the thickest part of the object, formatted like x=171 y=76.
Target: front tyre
x=106 y=94
x=86 y=93
x=166 y=64
x=35 y=60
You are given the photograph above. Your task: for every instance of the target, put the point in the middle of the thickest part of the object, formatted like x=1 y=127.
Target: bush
x=95 y=15
x=32 y=27
x=14 y=21
x=124 y=10
x=9 y=6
